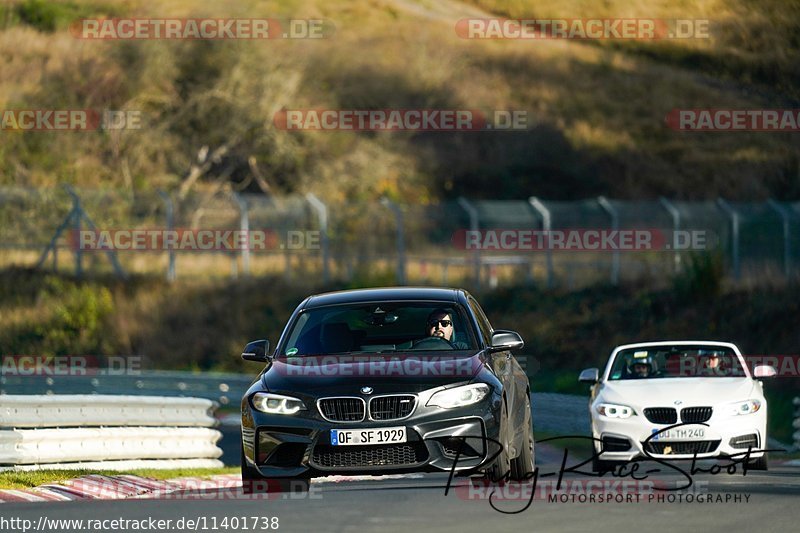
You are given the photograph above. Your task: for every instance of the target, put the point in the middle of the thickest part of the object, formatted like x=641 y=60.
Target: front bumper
x=279 y=446
x=724 y=436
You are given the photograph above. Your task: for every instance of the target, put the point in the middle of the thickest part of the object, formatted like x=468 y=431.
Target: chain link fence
x=481 y=242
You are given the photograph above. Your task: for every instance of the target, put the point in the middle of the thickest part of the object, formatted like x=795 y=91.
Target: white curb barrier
x=73 y=430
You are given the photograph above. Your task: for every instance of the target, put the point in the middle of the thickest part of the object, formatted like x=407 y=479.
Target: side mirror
x=764 y=371
x=257 y=351
x=590 y=375
x=506 y=340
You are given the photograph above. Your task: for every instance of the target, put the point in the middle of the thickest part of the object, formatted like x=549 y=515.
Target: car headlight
x=612 y=410
x=459 y=396
x=276 y=404
x=745 y=408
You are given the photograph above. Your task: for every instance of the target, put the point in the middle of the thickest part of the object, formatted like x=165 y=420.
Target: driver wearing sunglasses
x=440 y=324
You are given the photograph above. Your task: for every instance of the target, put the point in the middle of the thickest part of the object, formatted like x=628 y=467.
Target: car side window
x=483 y=322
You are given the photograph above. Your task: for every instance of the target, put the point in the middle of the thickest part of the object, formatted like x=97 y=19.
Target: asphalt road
x=767 y=502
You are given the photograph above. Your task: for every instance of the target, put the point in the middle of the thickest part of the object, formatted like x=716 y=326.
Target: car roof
x=438 y=294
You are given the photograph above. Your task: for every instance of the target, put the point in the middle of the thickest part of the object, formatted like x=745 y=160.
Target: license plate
x=354 y=437
x=682 y=433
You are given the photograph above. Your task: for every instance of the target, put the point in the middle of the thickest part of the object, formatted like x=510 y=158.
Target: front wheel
x=501 y=468
x=522 y=466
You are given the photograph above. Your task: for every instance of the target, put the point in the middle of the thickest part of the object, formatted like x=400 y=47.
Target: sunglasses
x=444 y=323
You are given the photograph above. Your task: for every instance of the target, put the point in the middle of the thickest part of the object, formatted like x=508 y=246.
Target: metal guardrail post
x=474 y=225
x=787 y=251
x=244 y=226
x=74 y=218
x=170 y=226
x=322 y=215
x=676 y=226
x=52 y=245
x=731 y=212
x=615 y=264
x=547 y=227
x=77 y=211
x=401 y=253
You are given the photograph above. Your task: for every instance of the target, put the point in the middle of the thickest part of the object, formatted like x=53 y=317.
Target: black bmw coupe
x=388 y=380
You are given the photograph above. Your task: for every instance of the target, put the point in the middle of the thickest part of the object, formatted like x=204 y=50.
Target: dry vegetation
x=598 y=108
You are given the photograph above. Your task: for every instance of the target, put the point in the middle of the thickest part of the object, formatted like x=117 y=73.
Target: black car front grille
x=406 y=454
x=391 y=407
x=745 y=441
x=682 y=447
x=661 y=415
x=342 y=409
x=696 y=414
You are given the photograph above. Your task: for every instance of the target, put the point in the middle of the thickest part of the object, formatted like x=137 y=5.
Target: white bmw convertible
x=677 y=400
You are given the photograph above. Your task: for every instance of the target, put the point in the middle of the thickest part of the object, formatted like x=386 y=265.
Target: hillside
x=597 y=109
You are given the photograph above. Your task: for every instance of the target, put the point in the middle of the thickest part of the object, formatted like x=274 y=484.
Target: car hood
x=665 y=392
x=387 y=373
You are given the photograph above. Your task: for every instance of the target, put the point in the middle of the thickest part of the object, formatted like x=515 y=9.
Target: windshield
x=676 y=362
x=381 y=327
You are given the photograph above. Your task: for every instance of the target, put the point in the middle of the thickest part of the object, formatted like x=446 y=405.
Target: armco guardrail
x=67 y=430
x=93 y=410
x=223 y=388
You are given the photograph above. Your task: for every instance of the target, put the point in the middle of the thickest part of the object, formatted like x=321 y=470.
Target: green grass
x=28 y=479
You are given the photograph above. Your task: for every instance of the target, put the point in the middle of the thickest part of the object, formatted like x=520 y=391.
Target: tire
x=762 y=463
x=522 y=466
x=501 y=468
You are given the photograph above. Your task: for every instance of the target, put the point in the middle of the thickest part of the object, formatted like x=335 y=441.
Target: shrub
x=701 y=278
x=51 y=16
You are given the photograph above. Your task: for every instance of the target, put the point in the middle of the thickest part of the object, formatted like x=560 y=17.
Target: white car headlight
x=612 y=410
x=745 y=408
x=459 y=396
x=276 y=404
